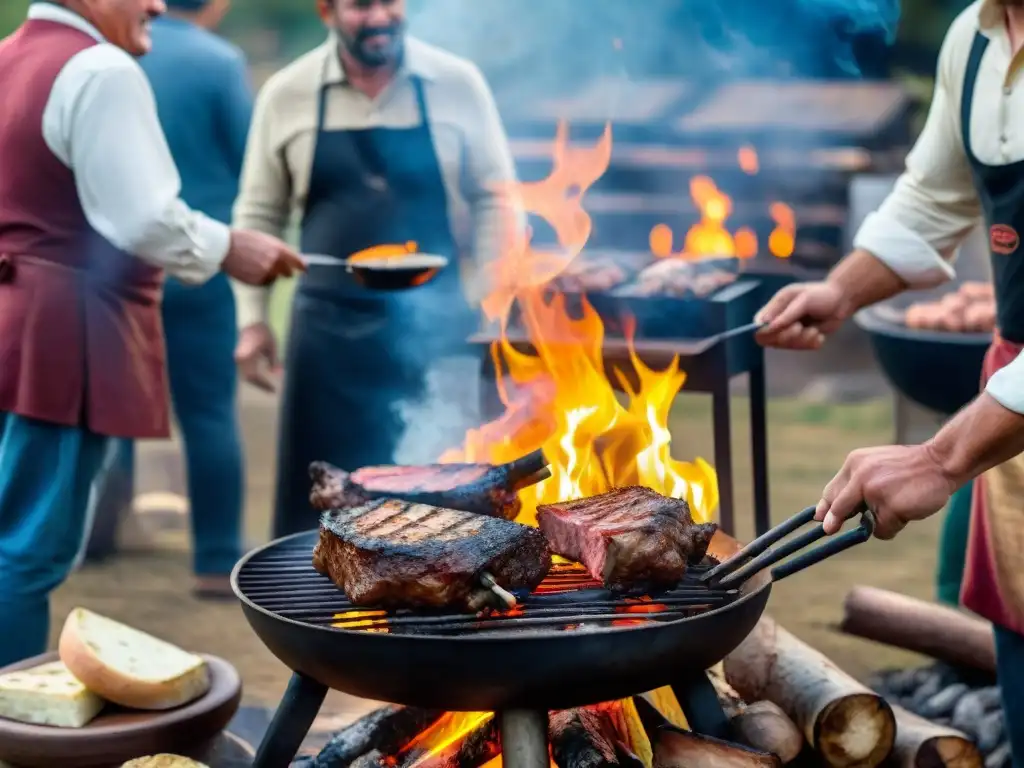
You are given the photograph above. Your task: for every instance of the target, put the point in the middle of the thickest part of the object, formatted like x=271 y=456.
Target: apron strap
x=978 y=49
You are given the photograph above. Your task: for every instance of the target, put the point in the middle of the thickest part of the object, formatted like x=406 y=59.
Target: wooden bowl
x=117 y=735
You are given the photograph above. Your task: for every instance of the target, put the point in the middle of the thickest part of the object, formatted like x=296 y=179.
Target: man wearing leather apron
x=376 y=138
x=967 y=166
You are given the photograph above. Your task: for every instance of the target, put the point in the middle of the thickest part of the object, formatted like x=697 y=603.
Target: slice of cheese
x=47 y=695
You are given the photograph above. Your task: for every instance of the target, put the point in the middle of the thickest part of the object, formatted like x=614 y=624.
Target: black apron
x=356 y=358
x=1001 y=191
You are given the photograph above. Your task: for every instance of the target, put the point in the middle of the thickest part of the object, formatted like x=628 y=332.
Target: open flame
x=563 y=401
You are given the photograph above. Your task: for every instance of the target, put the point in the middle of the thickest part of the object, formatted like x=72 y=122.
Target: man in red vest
x=90 y=218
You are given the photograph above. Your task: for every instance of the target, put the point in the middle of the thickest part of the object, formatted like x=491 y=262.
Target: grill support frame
x=524 y=732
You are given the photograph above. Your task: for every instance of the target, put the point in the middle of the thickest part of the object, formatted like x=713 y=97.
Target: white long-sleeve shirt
x=101 y=122
x=919 y=227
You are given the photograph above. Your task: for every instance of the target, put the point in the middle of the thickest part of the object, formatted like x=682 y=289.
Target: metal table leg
x=524 y=738
x=759 y=444
x=722 y=430
x=292 y=721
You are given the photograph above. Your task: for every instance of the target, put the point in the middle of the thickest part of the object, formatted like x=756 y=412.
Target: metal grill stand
x=524 y=732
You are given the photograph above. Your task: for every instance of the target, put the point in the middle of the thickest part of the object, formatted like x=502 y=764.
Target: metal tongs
x=758 y=554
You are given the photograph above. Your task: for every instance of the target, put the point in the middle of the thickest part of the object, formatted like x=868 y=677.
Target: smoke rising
x=548 y=47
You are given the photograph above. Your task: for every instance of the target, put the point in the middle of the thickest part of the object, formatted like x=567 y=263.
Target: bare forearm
x=864 y=280
x=979 y=437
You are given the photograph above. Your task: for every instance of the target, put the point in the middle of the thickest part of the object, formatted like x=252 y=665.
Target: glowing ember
x=748 y=160
x=783 y=238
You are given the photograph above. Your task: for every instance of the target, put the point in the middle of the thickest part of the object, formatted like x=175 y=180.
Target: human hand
x=256 y=258
x=256 y=356
x=899 y=483
x=801 y=315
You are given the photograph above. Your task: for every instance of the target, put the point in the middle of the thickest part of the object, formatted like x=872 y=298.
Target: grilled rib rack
x=283 y=582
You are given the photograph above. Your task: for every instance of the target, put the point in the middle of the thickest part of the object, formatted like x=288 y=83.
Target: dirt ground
x=148 y=587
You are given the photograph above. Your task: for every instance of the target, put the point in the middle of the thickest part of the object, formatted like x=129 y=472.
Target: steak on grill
x=394 y=554
x=629 y=537
x=484 y=489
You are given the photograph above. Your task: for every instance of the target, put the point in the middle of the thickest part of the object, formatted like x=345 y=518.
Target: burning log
x=846 y=722
x=761 y=725
x=676 y=748
x=921 y=743
x=460 y=740
x=385 y=730
x=915 y=625
x=679 y=748
x=483 y=489
x=583 y=738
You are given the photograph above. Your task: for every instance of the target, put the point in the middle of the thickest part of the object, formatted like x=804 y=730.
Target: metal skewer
x=502 y=594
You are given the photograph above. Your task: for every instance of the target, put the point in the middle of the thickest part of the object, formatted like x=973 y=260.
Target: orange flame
x=563 y=401
x=782 y=240
x=749 y=163
x=447 y=732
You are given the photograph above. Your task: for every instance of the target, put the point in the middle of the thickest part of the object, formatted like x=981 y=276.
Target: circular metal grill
x=280 y=579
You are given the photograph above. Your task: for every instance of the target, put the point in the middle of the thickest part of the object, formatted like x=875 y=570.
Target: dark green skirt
x=953 y=547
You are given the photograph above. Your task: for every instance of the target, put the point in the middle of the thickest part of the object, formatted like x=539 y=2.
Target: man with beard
x=967 y=166
x=90 y=216
x=375 y=138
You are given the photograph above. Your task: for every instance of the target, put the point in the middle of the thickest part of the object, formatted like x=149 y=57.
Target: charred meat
x=627 y=538
x=394 y=554
x=483 y=489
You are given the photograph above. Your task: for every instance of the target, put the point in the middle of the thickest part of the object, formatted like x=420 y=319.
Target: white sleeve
x=101 y=122
x=934 y=206
x=1007 y=385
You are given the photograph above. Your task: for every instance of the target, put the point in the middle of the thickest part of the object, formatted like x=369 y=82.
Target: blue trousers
x=1010 y=671
x=46 y=477
x=200 y=331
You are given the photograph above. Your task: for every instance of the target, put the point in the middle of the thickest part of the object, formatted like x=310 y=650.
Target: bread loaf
x=129 y=667
x=47 y=695
x=163 y=761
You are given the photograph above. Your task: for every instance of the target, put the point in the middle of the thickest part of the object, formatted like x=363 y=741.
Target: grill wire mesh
x=281 y=579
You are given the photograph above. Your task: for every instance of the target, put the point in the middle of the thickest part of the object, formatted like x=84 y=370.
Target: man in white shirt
x=90 y=217
x=967 y=166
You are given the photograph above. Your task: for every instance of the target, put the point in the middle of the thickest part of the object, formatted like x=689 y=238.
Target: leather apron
x=994 y=576
x=357 y=359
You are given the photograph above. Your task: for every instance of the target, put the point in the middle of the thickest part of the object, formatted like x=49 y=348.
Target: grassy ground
x=807 y=444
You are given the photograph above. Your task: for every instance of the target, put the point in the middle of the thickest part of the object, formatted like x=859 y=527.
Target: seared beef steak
x=629 y=537
x=393 y=554
x=484 y=489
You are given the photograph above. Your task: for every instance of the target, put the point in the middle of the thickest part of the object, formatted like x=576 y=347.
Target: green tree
x=12 y=13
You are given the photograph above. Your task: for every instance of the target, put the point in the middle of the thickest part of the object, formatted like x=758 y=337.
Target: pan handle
x=740 y=567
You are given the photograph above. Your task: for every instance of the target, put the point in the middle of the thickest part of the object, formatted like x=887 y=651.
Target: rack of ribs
x=484 y=489
x=627 y=538
x=394 y=554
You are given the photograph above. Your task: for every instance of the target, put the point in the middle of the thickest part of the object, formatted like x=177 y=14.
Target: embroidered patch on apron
x=1003 y=239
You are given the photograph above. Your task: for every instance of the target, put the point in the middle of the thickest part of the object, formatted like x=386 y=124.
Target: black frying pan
x=543 y=669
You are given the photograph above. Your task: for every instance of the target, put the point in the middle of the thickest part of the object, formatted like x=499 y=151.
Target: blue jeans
x=46 y=477
x=199 y=327
x=1010 y=671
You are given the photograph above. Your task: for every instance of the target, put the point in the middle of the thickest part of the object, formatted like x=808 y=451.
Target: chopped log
x=386 y=730
x=915 y=625
x=846 y=722
x=923 y=744
x=478 y=746
x=676 y=748
x=761 y=725
x=582 y=738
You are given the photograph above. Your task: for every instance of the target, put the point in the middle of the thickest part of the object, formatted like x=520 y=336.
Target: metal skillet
x=386 y=272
